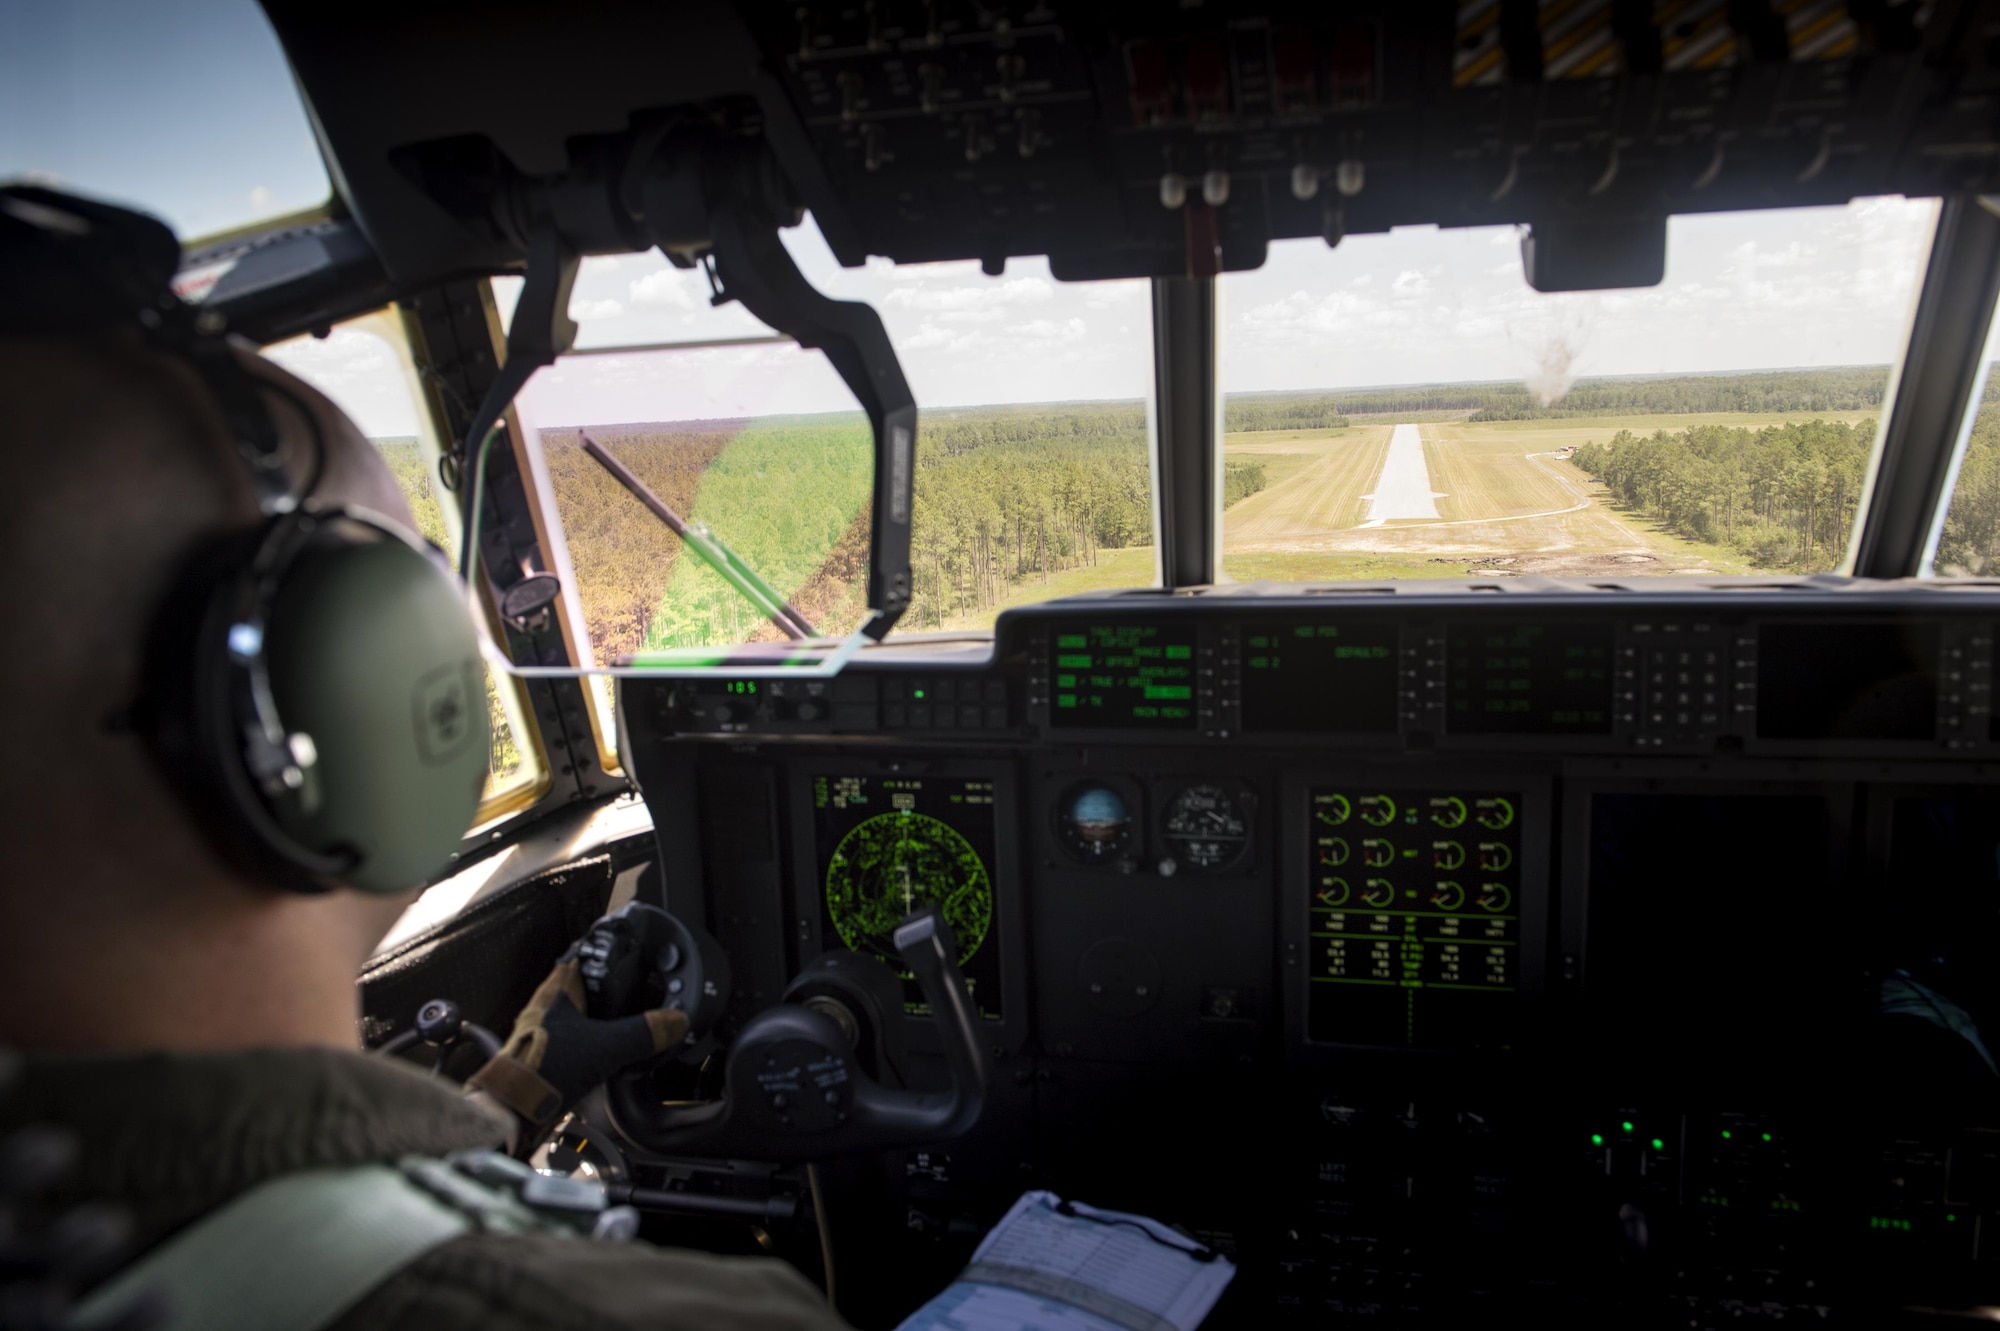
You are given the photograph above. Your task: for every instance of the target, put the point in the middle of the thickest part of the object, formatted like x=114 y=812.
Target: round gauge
x=1094 y=824
x=1206 y=828
x=896 y=863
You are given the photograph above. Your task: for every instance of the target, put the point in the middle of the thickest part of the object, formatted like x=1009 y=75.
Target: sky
x=189 y=110
x=184 y=108
x=1744 y=291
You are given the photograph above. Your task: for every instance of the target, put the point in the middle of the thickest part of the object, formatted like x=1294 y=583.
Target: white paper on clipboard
x=1042 y=1270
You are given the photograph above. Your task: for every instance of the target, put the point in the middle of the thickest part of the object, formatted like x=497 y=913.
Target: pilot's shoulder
x=503 y=1282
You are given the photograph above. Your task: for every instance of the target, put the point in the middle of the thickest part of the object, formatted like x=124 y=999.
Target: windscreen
x=1032 y=475
x=1406 y=406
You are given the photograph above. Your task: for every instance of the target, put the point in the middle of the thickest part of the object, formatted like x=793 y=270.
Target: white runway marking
x=1403 y=490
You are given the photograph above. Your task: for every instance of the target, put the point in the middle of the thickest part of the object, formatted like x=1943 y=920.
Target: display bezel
x=1059 y=722
x=1545 y=623
x=1947 y=627
x=804 y=897
x=1253 y=623
x=1533 y=780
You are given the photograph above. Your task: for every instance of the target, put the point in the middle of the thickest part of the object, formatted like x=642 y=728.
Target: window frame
x=392 y=325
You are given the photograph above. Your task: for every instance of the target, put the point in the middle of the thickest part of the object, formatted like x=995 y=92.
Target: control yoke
x=797 y=1079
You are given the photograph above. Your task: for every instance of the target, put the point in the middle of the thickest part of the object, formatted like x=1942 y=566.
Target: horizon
x=1265 y=394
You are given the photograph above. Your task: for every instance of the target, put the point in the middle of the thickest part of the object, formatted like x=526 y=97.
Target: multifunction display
x=1325 y=678
x=1124 y=677
x=890 y=845
x=1415 y=917
x=1847 y=681
x=1505 y=677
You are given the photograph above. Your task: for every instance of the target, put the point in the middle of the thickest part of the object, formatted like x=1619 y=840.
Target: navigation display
x=1847 y=681
x=1319 y=677
x=1124 y=677
x=1415 y=917
x=890 y=845
x=1512 y=678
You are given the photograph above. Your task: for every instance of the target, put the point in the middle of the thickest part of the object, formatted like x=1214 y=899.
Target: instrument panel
x=1508 y=862
x=1864 y=677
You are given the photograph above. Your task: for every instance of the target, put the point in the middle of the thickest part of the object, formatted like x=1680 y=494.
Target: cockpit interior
x=1368 y=629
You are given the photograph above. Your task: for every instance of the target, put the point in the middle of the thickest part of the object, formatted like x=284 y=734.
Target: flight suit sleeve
x=515 y=1283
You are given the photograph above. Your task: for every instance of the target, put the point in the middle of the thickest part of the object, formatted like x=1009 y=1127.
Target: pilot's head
x=122 y=924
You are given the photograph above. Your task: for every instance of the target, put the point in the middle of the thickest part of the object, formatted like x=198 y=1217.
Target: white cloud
x=929 y=336
x=595 y=309
x=359 y=372
x=1050 y=330
x=972 y=299
x=669 y=288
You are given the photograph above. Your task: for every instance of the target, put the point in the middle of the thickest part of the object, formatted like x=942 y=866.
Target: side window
x=366 y=366
x=1968 y=540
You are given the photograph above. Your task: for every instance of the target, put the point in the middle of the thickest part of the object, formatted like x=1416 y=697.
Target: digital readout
x=1319 y=677
x=1415 y=917
x=1124 y=677
x=1528 y=679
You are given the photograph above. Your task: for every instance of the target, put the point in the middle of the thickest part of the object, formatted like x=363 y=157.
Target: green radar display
x=889 y=846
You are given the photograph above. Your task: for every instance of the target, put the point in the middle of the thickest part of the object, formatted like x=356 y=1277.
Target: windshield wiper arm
x=708 y=547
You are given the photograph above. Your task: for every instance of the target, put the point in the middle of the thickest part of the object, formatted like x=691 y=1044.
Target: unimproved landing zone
x=1403 y=490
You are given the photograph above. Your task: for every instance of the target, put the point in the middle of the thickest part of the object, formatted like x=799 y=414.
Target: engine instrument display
x=1515 y=678
x=1847 y=681
x=1094 y=823
x=1124 y=677
x=890 y=845
x=1414 y=917
x=1206 y=827
x=1324 y=678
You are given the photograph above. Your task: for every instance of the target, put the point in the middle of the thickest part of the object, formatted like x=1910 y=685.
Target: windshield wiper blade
x=709 y=548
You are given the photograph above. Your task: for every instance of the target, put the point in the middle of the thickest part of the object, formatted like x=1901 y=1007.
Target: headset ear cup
x=372 y=655
x=191 y=715
x=373 y=673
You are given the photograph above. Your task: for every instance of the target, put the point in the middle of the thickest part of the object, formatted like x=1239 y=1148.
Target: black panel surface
x=1848 y=681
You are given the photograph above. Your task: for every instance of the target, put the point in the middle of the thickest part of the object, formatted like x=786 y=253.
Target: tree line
x=1844 y=388
x=1970 y=543
x=1784 y=496
x=1012 y=495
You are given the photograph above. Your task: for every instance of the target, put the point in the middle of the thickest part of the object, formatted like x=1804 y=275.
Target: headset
x=312 y=686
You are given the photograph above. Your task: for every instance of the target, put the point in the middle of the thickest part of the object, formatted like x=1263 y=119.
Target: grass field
x=1507 y=504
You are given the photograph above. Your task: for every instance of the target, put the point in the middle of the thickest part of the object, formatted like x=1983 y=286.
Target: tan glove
x=556 y=1054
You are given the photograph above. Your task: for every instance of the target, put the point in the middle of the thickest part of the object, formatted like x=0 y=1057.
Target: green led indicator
x=1767 y=1136
x=918 y=694
x=1951 y=1216
x=1627 y=1127
x=1725 y=1134
x=1659 y=1145
x=1597 y=1139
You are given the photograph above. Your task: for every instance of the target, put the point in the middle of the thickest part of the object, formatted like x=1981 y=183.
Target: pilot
x=196 y=1027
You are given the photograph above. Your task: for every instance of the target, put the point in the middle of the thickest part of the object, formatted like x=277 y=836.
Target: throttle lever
x=795 y=1088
